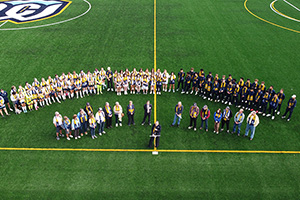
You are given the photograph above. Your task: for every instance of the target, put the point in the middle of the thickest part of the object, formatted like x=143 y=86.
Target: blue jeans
x=92 y=131
x=252 y=130
x=83 y=127
x=206 y=123
x=101 y=127
x=239 y=127
x=175 y=119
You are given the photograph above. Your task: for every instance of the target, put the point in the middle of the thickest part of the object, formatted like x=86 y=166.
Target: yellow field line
x=155 y=67
x=245 y=5
x=282 y=13
x=150 y=150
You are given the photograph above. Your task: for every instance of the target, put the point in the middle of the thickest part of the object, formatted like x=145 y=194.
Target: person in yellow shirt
x=118 y=114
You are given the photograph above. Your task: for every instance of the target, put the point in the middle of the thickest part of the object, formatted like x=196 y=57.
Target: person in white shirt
x=15 y=100
x=58 y=123
x=100 y=118
x=118 y=114
x=252 y=122
x=165 y=77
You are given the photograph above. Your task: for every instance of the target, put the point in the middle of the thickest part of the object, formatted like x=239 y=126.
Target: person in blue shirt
x=5 y=97
x=181 y=75
x=273 y=106
x=238 y=120
x=281 y=97
x=178 y=113
x=67 y=127
x=217 y=118
x=290 y=107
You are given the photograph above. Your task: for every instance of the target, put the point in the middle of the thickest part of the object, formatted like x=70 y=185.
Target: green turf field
x=218 y=36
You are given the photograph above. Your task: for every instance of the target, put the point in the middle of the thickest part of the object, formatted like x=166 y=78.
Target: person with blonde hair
x=58 y=123
x=118 y=114
x=252 y=122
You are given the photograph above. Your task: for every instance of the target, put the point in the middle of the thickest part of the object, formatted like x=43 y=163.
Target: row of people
x=86 y=119
x=220 y=117
x=229 y=91
x=57 y=89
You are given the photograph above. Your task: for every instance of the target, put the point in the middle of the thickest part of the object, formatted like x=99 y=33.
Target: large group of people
x=228 y=90
x=241 y=93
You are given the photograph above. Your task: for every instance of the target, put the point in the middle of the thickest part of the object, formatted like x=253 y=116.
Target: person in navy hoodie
x=273 y=106
x=290 y=108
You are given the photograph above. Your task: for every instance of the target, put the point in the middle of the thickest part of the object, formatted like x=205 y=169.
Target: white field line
x=271 y=6
x=45 y=25
x=3 y=23
x=291 y=5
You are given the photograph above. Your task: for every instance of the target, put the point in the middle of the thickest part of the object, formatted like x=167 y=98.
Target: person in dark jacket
x=290 y=108
x=155 y=133
x=147 y=113
x=5 y=97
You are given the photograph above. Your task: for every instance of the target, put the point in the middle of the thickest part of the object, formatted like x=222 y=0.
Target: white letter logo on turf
x=18 y=11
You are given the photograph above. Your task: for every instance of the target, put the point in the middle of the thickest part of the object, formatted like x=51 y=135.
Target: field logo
x=18 y=11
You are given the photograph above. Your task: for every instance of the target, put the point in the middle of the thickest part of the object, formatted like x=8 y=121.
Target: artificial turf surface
x=218 y=36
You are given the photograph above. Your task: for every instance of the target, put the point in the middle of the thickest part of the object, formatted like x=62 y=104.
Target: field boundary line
x=264 y=20
x=291 y=5
x=150 y=150
x=55 y=23
x=280 y=13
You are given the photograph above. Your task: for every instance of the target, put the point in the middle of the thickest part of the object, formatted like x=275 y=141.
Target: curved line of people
x=86 y=119
x=227 y=90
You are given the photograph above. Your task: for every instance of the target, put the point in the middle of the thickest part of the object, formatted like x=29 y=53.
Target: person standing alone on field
x=155 y=133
